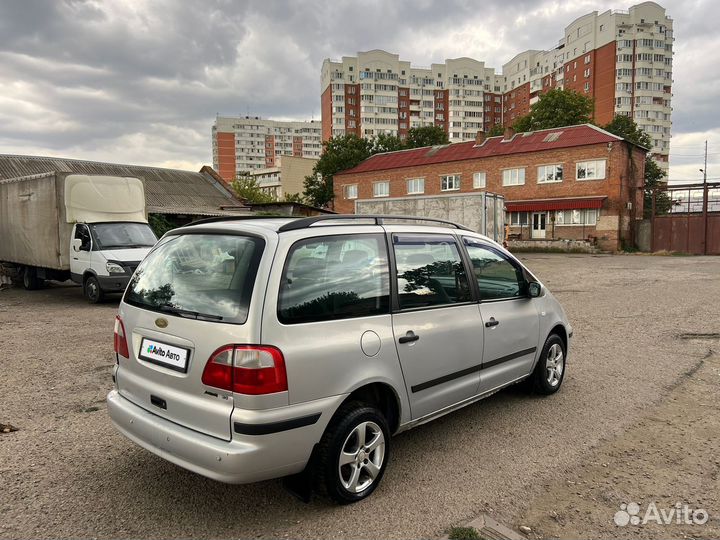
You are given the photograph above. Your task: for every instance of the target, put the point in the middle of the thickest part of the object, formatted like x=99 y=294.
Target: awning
x=538 y=205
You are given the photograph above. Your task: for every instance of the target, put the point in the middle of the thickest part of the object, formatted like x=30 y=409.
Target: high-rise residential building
x=375 y=92
x=623 y=59
x=247 y=143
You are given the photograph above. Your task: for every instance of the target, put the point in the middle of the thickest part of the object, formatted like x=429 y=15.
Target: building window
x=415 y=186
x=590 y=170
x=587 y=87
x=514 y=177
x=351 y=191
x=479 y=180
x=518 y=219
x=576 y=217
x=450 y=182
x=381 y=189
x=549 y=173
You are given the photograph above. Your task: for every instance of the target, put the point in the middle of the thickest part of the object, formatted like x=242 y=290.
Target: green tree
x=342 y=153
x=386 y=143
x=249 y=190
x=418 y=137
x=557 y=108
x=496 y=130
x=293 y=198
x=339 y=154
x=625 y=127
x=160 y=224
x=654 y=180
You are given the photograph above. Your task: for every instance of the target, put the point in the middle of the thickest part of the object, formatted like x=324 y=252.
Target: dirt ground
x=667 y=457
x=636 y=421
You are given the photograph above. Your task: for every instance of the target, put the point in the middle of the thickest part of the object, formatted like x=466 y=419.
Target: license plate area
x=165 y=355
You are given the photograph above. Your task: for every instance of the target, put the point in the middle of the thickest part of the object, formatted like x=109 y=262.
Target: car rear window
x=201 y=276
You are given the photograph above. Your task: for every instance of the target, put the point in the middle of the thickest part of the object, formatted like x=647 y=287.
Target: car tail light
x=120 y=340
x=246 y=369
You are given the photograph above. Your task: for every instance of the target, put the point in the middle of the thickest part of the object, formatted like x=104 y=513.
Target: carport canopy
x=538 y=205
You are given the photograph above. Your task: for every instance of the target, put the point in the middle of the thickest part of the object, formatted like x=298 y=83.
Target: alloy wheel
x=361 y=457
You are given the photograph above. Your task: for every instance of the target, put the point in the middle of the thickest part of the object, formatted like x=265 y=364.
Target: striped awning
x=538 y=205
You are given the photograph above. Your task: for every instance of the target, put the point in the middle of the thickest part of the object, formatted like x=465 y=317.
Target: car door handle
x=492 y=322
x=409 y=337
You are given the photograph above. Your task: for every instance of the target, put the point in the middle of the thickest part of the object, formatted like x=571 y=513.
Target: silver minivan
x=250 y=349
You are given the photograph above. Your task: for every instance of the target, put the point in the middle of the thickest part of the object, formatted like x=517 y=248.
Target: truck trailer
x=91 y=229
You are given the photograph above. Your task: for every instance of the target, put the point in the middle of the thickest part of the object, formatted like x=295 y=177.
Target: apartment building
x=623 y=59
x=576 y=182
x=249 y=143
x=286 y=177
x=375 y=92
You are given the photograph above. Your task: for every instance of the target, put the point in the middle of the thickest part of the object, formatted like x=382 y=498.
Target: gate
x=686 y=218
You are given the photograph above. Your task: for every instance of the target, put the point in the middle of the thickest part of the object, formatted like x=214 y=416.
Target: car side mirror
x=534 y=289
x=76 y=244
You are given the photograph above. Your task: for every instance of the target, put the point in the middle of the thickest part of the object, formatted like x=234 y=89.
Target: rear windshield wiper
x=190 y=314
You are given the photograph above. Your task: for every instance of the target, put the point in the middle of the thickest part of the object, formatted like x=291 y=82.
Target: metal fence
x=686 y=218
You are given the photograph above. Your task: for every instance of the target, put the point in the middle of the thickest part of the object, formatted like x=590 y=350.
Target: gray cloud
x=142 y=81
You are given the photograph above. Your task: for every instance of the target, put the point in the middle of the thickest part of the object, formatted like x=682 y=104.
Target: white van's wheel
x=353 y=453
x=30 y=279
x=92 y=290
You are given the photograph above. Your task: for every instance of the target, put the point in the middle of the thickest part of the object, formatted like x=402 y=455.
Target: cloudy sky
x=141 y=81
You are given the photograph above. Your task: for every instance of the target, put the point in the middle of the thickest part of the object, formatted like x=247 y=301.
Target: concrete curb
x=490 y=529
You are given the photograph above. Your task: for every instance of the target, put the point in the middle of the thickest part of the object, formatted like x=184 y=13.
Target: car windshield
x=123 y=235
x=199 y=276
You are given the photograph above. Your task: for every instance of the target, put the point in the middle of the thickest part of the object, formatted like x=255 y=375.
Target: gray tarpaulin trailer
x=482 y=212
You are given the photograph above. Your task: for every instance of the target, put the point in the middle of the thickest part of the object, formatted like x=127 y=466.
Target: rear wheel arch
x=383 y=397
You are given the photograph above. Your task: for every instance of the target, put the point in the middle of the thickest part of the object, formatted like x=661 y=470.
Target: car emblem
x=161 y=323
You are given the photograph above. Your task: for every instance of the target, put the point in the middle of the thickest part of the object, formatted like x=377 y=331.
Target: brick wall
x=516 y=103
x=326 y=106
x=603 y=86
x=226 y=155
x=620 y=185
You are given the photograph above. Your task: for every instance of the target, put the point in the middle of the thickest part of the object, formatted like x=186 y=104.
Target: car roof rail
x=377 y=219
x=216 y=219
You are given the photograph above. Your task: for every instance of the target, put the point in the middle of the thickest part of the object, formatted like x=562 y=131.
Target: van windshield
x=122 y=235
x=200 y=276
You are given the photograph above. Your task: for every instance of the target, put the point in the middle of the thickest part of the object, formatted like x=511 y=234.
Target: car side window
x=498 y=278
x=430 y=271
x=83 y=234
x=335 y=277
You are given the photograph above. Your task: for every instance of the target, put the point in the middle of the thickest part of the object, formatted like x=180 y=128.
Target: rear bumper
x=245 y=459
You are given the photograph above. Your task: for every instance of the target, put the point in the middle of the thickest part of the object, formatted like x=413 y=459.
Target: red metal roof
x=554 y=204
x=532 y=141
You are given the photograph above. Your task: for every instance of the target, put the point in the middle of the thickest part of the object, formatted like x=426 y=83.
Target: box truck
x=60 y=226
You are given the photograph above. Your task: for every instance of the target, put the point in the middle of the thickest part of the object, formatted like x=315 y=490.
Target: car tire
x=353 y=453
x=92 y=290
x=550 y=369
x=30 y=279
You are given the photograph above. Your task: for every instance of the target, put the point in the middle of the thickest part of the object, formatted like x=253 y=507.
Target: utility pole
x=705 y=205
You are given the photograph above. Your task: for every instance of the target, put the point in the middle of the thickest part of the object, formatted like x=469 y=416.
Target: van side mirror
x=534 y=289
x=76 y=244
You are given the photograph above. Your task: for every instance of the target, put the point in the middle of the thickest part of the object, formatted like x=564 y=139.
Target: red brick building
x=577 y=182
